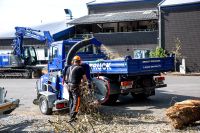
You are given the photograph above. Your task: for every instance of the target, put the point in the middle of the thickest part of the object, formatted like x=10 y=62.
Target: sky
x=29 y=13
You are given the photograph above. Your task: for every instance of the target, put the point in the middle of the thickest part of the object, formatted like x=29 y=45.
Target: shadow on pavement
x=127 y=105
x=19 y=127
x=162 y=99
x=141 y=111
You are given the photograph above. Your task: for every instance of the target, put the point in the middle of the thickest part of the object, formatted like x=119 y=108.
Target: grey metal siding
x=122 y=6
x=6 y=43
x=184 y=25
x=124 y=43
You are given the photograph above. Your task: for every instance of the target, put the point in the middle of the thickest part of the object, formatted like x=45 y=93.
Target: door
x=30 y=57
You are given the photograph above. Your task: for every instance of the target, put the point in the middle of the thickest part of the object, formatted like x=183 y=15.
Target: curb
x=180 y=74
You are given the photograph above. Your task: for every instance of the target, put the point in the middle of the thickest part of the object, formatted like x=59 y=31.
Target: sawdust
x=111 y=54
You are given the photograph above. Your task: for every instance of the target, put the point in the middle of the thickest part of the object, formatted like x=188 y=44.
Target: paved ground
x=148 y=114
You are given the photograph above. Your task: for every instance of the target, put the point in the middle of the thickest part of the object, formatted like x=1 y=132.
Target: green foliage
x=158 y=52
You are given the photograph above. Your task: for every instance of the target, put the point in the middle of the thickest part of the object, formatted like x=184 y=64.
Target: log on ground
x=184 y=113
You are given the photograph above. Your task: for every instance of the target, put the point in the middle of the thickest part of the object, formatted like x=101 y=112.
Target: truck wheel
x=44 y=107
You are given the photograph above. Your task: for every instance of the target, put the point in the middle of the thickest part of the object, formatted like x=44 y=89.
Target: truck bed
x=131 y=66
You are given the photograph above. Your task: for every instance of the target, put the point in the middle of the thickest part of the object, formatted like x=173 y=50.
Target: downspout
x=159 y=29
x=159 y=24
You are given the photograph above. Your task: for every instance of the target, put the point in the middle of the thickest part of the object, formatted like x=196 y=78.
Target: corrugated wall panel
x=184 y=25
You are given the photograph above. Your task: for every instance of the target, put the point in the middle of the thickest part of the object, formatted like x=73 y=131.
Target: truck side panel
x=132 y=66
x=150 y=65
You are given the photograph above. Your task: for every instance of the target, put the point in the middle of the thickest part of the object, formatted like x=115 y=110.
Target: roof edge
x=178 y=4
x=117 y=2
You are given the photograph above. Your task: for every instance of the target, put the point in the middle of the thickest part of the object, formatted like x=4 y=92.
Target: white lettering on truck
x=101 y=66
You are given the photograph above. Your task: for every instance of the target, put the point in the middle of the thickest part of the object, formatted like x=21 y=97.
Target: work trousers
x=74 y=100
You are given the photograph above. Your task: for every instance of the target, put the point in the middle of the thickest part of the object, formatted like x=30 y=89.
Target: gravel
x=124 y=123
x=127 y=116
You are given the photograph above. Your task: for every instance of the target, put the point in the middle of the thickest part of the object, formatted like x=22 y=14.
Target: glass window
x=32 y=52
x=88 y=49
x=141 y=53
x=46 y=52
x=53 y=52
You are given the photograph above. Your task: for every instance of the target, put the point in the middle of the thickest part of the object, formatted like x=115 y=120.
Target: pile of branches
x=89 y=104
x=88 y=116
x=184 y=113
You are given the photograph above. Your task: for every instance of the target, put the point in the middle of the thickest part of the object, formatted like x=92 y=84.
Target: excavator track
x=8 y=73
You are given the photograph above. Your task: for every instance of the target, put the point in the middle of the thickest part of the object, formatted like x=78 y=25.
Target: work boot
x=72 y=120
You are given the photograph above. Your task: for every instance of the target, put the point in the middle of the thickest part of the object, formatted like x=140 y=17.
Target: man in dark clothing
x=74 y=75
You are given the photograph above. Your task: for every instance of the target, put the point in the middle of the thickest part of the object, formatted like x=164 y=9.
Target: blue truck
x=110 y=78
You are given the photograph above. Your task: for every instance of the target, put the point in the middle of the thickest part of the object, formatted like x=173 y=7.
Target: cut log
x=184 y=113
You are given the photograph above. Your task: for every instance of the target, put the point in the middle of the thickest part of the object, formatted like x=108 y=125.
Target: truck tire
x=102 y=91
x=44 y=107
x=145 y=83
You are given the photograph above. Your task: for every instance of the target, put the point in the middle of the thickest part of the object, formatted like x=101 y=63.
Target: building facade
x=180 y=24
x=124 y=28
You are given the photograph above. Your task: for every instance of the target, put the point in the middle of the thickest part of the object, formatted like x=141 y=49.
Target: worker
x=73 y=77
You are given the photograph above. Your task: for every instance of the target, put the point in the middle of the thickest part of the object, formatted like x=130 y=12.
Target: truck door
x=56 y=57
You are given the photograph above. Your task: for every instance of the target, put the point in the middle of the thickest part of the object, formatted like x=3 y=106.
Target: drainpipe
x=159 y=24
x=159 y=27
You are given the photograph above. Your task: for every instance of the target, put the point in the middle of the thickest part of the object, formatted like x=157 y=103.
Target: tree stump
x=184 y=113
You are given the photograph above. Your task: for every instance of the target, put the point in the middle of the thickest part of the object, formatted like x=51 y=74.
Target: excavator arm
x=22 y=32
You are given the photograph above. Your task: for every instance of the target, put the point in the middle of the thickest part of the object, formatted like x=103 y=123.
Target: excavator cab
x=30 y=57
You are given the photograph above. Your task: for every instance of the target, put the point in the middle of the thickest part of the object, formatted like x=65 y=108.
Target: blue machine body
x=98 y=64
x=95 y=62
x=4 y=60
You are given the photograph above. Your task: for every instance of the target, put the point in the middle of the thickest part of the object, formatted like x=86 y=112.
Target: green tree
x=158 y=52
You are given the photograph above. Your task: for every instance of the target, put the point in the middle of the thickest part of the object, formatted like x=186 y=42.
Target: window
x=141 y=53
x=88 y=49
x=32 y=52
x=91 y=49
x=45 y=52
x=53 y=52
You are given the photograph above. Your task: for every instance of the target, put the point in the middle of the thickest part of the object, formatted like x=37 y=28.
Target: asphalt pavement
x=178 y=88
